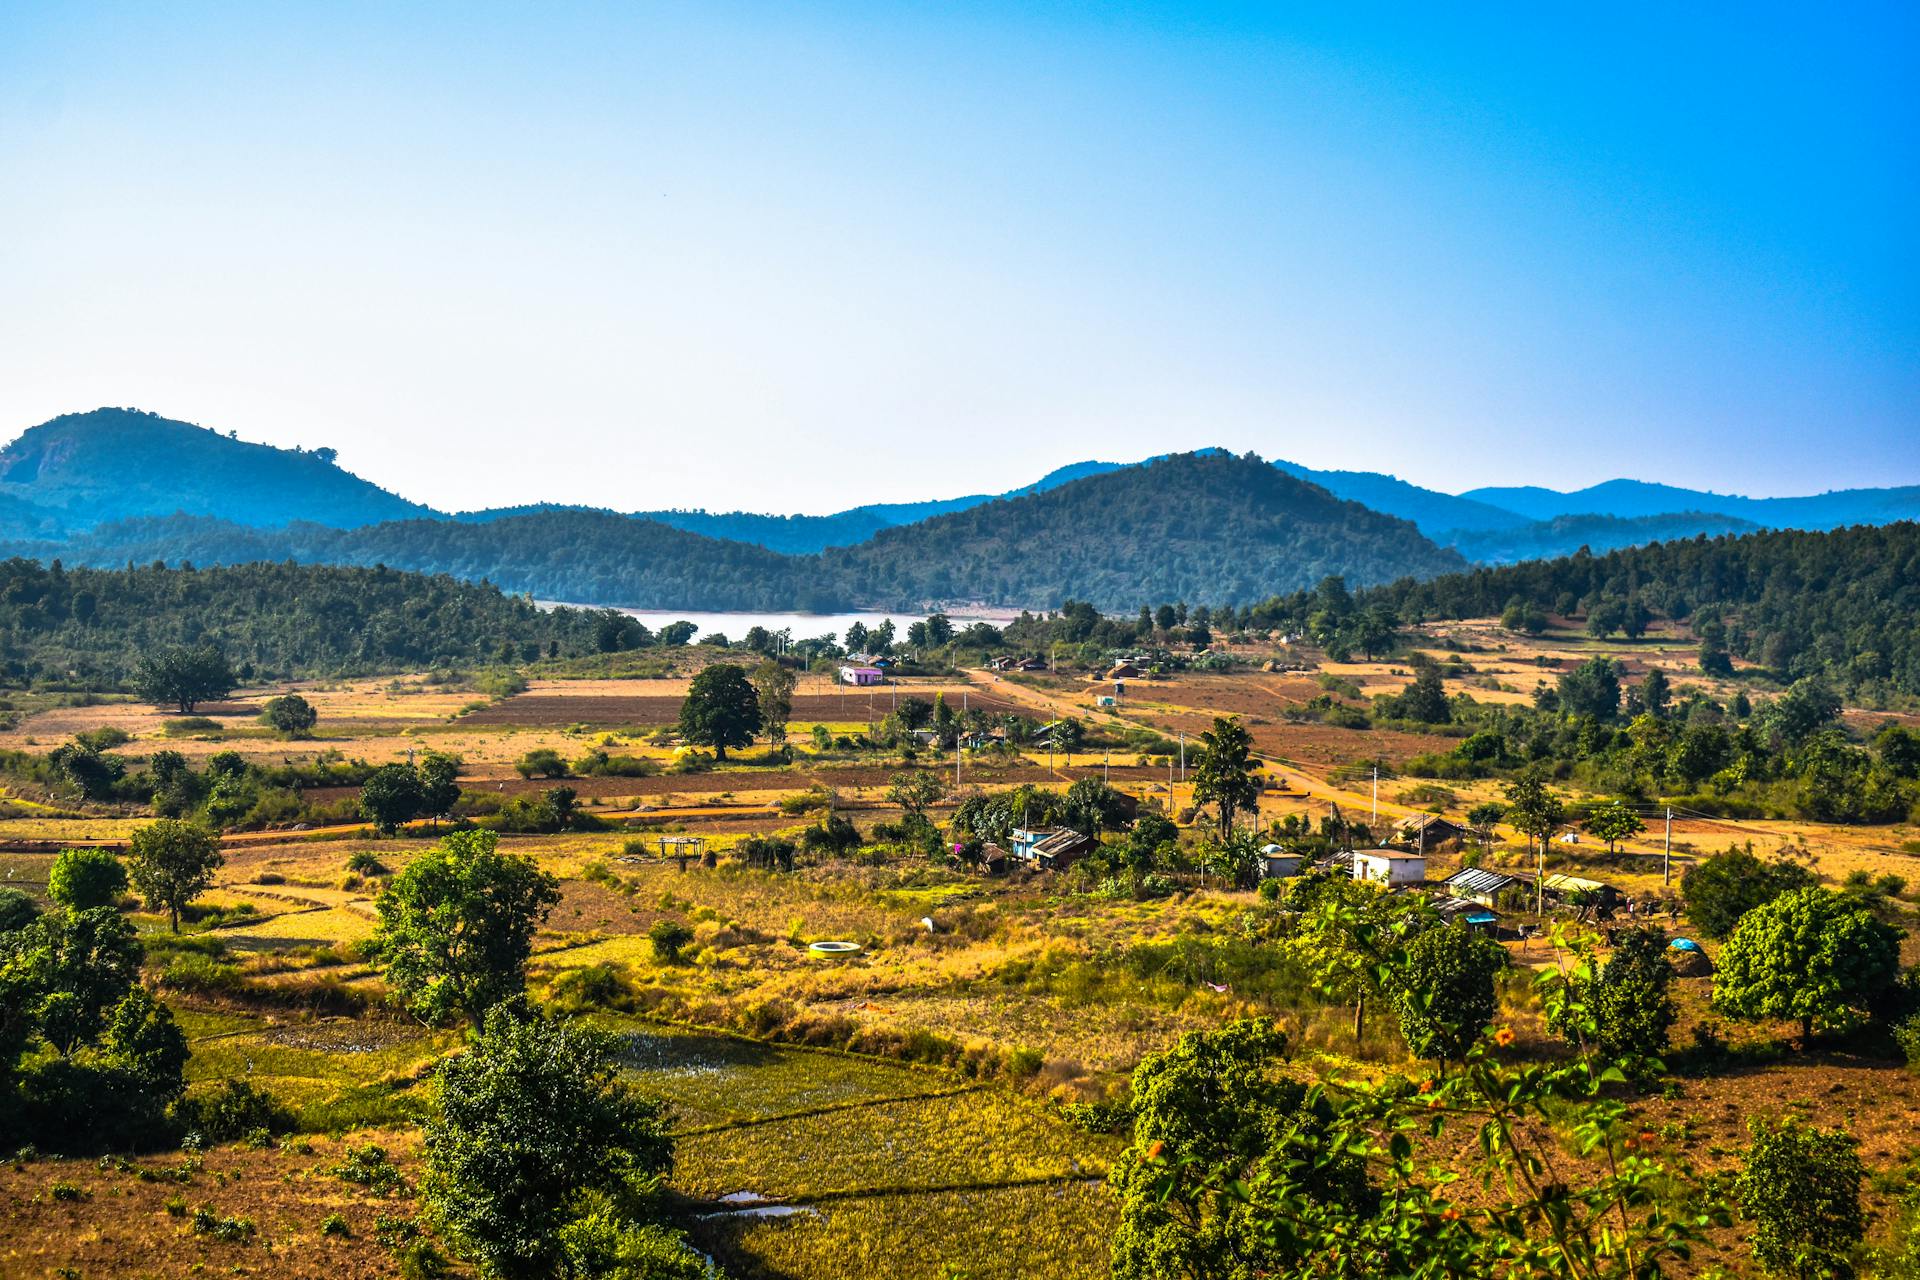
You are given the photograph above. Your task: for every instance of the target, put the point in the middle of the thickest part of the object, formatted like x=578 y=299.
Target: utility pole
x=1666 y=855
x=1106 y=767
x=1540 y=878
x=1183 y=757
x=1376 y=797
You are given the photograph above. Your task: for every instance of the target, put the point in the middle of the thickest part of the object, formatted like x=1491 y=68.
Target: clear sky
x=797 y=257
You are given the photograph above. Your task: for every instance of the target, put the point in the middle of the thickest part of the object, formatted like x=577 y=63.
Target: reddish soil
x=122 y=1227
x=549 y=710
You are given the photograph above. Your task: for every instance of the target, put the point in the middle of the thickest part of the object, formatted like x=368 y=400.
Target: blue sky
x=798 y=257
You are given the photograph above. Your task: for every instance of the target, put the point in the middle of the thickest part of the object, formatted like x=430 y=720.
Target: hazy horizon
x=799 y=260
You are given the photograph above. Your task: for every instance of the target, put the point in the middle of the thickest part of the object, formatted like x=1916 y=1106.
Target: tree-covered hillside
x=1843 y=605
x=111 y=464
x=1214 y=527
x=93 y=625
x=1190 y=526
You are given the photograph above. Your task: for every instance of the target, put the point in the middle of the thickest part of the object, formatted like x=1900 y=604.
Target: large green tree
x=1445 y=996
x=536 y=1132
x=1810 y=955
x=721 y=710
x=292 y=715
x=391 y=797
x=184 y=677
x=172 y=863
x=1226 y=774
x=456 y=926
x=1721 y=889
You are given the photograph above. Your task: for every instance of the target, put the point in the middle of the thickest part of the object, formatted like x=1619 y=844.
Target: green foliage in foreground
x=1196 y=1207
x=87 y=1055
x=1801 y=1190
x=542 y=1160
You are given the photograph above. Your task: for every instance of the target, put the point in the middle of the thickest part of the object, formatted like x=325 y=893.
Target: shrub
x=541 y=762
x=82 y=879
x=371 y=1167
x=1801 y=1189
x=1723 y=888
x=234 y=1111
x=365 y=863
x=668 y=938
x=335 y=1225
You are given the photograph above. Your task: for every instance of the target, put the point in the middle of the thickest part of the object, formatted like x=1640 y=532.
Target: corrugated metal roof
x=1472 y=882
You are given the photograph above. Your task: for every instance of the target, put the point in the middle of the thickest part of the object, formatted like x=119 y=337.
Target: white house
x=1389 y=867
x=1277 y=864
x=861 y=675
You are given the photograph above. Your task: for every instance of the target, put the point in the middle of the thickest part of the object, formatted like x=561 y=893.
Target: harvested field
x=614 y=711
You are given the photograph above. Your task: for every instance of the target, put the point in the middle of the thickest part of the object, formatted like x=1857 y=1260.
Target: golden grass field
x=899 y=1169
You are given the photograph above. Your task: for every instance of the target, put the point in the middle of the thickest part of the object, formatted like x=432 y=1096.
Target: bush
x=371 y=1167
x=365 y=863
x=234 y=1111
x=82 y=879
x=335 y=1225
x=1801 y=1190
x=668 y=938
x=541 y=762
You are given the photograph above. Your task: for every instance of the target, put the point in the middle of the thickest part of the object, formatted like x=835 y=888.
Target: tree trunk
x=176 y=917
x=1806 y=1031
x=1359 y=1014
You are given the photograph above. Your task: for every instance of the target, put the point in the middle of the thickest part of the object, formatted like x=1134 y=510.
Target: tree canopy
x=456 y=926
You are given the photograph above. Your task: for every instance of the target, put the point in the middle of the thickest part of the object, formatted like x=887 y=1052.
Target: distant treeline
x=1842 y=605
x=92 y=626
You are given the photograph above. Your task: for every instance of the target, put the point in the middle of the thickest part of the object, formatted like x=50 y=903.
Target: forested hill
x=560 y=554
x=83 y=468
x=1190 y=526
x=93 y=625
x=1843 y=604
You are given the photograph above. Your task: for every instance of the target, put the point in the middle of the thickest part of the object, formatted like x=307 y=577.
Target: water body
x=803 y=626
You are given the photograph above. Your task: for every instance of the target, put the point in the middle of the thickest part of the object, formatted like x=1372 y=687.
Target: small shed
x=1476 y=884
x=1430 y=831
x=1476 y=915
x=1277 y=864
x=1390 y=867
x=861 y=675
x=1565 y=888
x=1050 y=848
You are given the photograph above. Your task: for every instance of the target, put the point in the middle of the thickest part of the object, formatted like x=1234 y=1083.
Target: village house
x=1431 y=832
x=1389 y=867
x=851 y=674
x=1476 y=884
x=1277 y=864
x=1049 y=848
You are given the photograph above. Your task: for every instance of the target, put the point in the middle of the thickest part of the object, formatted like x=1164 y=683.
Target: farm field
x=897 y=1112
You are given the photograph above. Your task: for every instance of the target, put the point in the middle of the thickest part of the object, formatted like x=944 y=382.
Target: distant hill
x=110 y=464
x=1564 y=535
x=1632 y=499
x=595 y=557
x=804 y=535
x=1437 y=514
x=1187 y=527
x=1213 y=528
